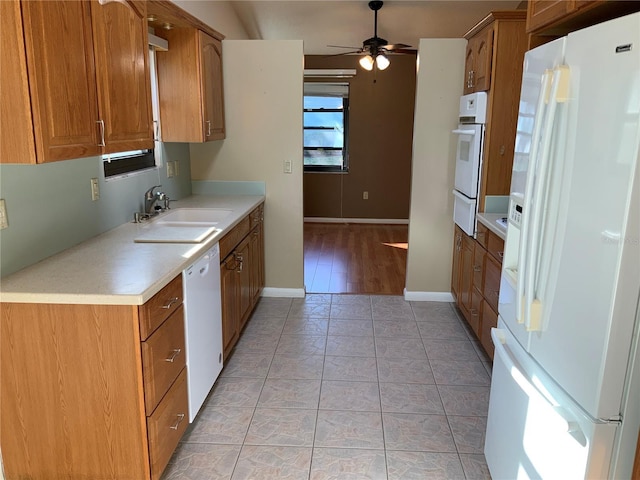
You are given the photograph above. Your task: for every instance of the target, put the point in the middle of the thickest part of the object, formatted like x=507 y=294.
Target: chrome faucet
x=150 y=199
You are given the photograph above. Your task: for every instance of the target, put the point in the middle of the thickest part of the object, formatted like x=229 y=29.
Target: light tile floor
x=344 y=387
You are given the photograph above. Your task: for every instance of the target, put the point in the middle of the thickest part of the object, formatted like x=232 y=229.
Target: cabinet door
x=212 y=93
x=17 y=144
x=60 y=60
x=469 y=63
x=491 y=289
x=257 y=269
x=457 y=263
x=489 y=320
x=466 y=272
x=483 y=53
x=245 y=267
x=122 y=69
x=543 y=12
x=229 y=286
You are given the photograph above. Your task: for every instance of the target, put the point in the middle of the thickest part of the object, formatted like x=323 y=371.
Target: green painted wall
x=49 y=206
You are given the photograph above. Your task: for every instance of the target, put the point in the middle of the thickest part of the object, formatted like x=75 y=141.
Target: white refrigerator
x=565 y=388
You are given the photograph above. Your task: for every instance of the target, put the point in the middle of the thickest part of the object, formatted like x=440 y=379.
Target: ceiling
x=348 y=23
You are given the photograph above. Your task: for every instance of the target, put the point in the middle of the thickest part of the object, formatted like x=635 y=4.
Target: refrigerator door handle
x=533 y=305
x=539 y=122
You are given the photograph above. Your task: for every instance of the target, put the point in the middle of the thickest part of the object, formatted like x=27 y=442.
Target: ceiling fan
x=376 y=48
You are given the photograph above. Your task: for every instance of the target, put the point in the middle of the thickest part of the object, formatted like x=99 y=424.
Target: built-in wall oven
x=470 y=135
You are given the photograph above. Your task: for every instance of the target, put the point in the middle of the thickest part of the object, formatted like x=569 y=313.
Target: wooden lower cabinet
x=241 y=275
x=476 y=281
x=73 y=385
x=230 y=297
x=489 y=321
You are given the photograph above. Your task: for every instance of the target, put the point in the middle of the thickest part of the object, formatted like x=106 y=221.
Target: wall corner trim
x=428 y=296
x=283 y=292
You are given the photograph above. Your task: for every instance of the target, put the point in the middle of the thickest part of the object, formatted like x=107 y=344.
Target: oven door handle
x=463 y=132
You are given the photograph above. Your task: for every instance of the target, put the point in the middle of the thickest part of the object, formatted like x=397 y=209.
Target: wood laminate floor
x=355 y=258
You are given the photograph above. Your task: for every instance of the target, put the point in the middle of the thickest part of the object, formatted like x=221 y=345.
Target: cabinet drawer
x=163 y=358
x=491 y=288
x=167 y=425
x=495 y=246
x=160 y=306
x=489 y=320
x=231 y=239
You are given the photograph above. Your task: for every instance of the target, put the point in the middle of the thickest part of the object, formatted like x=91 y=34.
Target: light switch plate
x=287 y=166
x=176 y=168
x=4 y=221
x=170 y=170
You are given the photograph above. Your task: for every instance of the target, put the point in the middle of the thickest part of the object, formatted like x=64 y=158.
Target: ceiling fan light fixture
x=367 y=62
x=382 y=62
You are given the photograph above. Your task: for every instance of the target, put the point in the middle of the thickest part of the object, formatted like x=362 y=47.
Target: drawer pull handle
x=170 y=303
x=473 y=312
x=173 y=356
x=178 y=421
x=501 y=255
x=476 y=268
x=496 y=293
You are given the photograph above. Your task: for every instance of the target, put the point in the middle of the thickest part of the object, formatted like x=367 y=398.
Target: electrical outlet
x=170 y=170
x=365 y=195
x=95 y=189
x=4 y=221
x=176 y=168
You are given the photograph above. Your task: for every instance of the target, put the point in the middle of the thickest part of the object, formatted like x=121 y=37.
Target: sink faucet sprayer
x=152 y=204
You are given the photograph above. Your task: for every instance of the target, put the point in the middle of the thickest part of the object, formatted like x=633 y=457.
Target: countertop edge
x=15 y=287
x=489 y=221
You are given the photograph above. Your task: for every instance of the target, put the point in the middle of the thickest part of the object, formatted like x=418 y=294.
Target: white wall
x=263 y=82
x=219 y=15
x=438 y=90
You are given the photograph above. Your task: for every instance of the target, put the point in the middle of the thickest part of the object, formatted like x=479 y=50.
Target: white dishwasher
x=203 y=326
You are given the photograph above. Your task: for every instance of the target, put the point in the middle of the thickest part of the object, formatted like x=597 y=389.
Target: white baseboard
x=381 y=221
x=283 y=292
x=428 y=296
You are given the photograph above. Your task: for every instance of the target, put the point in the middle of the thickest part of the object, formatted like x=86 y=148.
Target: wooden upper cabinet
x=190 y=86
x=543 y=12
x=212 y=92
x=478 y=61
x=61 y=72
x=16 y=129
x=553 y=18
x=122 y=68
x=86 y=66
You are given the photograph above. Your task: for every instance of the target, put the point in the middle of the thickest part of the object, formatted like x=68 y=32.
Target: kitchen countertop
x=111 y=269
x=489 y=221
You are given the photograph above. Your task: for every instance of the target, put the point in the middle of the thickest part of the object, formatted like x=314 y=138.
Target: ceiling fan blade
x=405 y=51
x=342 y=46
x=343 y=53
x=395 y=46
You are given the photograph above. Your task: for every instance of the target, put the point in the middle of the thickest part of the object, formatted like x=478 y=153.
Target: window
x=326 y=113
